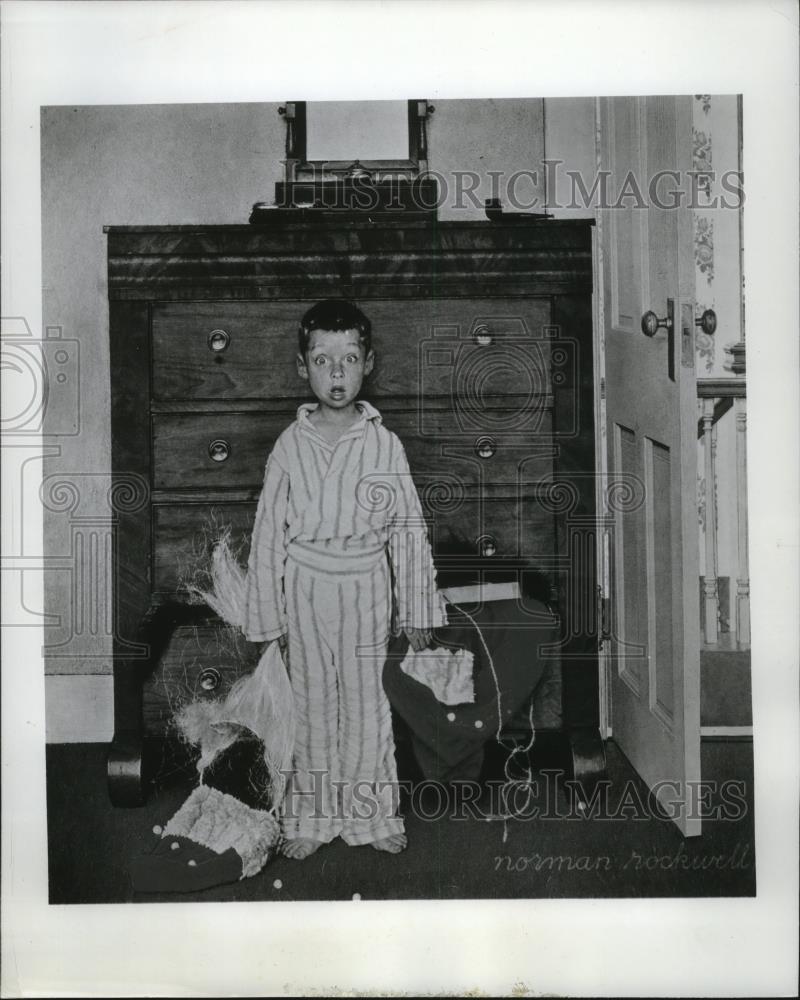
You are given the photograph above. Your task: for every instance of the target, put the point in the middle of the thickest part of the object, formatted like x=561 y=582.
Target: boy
x=337 y=497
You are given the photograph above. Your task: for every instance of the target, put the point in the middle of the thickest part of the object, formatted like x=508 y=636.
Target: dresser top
x=516 y=223
x=355 y=257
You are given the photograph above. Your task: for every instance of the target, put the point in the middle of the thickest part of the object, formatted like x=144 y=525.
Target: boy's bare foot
x=299 y=848
x=392 y=845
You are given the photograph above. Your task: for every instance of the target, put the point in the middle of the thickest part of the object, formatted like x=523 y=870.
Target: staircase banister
x=716 y=388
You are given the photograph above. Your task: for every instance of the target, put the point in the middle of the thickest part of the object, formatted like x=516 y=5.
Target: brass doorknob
x=651 y=324
x=707 y=322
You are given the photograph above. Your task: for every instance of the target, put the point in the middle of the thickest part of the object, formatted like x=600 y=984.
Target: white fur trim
x=219 y=822
x=448 y=673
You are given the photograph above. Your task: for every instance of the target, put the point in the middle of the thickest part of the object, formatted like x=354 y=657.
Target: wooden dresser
x=483 y=338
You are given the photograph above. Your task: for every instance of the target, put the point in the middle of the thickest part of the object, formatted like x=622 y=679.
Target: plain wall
x=505 y=137
x=570 y=144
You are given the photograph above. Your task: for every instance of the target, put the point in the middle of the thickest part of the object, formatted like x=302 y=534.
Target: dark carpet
x=619 y=847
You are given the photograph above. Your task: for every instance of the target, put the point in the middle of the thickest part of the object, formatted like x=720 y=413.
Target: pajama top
x=340 y=503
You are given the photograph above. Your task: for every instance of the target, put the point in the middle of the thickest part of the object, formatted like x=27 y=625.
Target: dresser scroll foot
x=588 y=761
x=126 y=779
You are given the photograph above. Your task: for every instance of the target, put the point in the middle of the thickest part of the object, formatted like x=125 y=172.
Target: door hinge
x=604 y=614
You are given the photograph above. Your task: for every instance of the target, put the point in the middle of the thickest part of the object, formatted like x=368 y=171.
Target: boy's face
x=335 y=365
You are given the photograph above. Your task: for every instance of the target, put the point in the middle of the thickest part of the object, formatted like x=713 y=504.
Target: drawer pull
x=209 y=679
x=219 y=450
x=487 y=546
x=482 y=337
x=218 y=340
x=485 y=447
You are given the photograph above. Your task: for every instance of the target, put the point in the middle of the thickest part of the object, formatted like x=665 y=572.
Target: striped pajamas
x=318 y=570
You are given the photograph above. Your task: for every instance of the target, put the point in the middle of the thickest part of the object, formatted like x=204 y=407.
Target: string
x=512 y=749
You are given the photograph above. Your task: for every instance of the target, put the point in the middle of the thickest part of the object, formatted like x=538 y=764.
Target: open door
x=647 y=265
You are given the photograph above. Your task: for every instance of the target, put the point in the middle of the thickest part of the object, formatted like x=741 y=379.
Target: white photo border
x=137 y=53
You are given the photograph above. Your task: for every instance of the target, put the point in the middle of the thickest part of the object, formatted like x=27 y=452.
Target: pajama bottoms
x=344 y=783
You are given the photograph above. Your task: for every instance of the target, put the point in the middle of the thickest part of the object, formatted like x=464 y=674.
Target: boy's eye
x=319 y=359
x=352 y=359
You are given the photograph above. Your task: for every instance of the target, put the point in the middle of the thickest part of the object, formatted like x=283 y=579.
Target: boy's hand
x=418 y=638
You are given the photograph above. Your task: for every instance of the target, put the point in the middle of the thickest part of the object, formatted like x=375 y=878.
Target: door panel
x=627 y=225
x=630 y=578
x=661 y=583
x=650 y=407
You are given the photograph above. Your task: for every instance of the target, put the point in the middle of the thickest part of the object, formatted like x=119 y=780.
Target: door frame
x=602 y=555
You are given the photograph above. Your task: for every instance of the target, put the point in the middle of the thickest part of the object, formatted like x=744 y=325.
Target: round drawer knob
x=482 y=337
x=485 y=447
x=218 y=340
x=209 y=679
x=219 y=450
x=487 y=546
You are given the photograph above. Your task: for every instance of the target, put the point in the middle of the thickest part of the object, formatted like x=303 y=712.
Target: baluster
x=710 y=590
x=743 y=579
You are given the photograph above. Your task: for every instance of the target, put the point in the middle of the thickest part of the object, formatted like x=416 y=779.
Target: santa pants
x=344 y=781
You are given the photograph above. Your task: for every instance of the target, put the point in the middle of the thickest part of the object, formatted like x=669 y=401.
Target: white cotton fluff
x=227 y=583
x=261 y=701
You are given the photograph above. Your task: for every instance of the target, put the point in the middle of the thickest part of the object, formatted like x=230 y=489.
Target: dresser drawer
x=200 y=662
x=473 y=458
x=184 y=534
x=465 y=350
x=225 y=350
x=214 y=450
x=492 y=529
x=507 y=528
x=223 y=449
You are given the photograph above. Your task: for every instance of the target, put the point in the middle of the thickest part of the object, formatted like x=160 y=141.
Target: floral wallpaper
x=718 y=280
x=702 y=161
x=718 y=286
x=704 y=247
x=701 y=157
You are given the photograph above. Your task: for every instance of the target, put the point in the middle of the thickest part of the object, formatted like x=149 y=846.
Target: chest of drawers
x=483 y=341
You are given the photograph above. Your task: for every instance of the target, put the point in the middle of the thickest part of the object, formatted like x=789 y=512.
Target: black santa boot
x=223 y=831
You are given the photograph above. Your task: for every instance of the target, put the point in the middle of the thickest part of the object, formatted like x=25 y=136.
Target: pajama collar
x=367 y=411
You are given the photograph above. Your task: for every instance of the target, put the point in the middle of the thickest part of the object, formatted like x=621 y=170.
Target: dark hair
x=334 y=314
